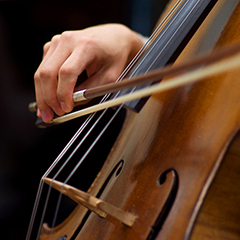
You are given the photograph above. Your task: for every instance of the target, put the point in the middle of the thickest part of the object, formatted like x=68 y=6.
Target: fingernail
x=45 y=117
x=64 y=107
x=39 y=113
x=58 y=112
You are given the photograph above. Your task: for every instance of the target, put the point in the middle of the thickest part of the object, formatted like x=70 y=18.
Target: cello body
x=175 y=164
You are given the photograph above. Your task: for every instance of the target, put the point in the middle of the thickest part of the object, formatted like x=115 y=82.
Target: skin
x=103 y=51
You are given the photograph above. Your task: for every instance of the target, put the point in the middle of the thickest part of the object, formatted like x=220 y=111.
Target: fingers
x=46 y=48
x=103 y=51
x=50 y=73
x=44 y=110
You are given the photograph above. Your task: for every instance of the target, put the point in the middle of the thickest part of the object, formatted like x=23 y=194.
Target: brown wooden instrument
x=173 y=172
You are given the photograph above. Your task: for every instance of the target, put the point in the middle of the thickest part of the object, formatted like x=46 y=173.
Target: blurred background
x=26 y=152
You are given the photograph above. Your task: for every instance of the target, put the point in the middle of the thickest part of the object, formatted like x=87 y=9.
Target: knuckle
x=66 y=35
x=55 y=39
x=36 y=76
x=46 y=46
x=88 y=44
x=50 y=100
x=61 y=95
x=45 y=73
x=87 y=40
x=65 y=71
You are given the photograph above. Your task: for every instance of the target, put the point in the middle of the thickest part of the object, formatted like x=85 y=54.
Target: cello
x=172 y=172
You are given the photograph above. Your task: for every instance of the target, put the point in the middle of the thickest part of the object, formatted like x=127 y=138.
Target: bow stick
x=212 y=59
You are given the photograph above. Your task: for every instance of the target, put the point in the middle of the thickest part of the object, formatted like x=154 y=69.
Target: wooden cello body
x=176 y=163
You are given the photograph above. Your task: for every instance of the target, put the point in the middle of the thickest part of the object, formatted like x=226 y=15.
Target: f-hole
x=116 y=171
x=168 y=205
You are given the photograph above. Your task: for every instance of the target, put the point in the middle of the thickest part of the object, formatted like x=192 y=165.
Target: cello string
x=50 y=169
x=93 y=144
x=82 y=159
x=61 y=155
x=88 y=152
x=55 y=163
x=39 y=192
x=65 y=163
x=153 y=36
x=162 y=34
x=158 y=29
x=80 y=144
x=180 y=25
x=130 y=65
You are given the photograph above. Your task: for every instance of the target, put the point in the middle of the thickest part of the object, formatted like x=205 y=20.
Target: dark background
x=26 y=151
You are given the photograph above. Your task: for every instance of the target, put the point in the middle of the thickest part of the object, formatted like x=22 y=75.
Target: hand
x=103 y=51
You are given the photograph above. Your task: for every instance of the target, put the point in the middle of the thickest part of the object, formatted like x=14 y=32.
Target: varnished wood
x=219 y=216
x=193 y=140
x=187 y=131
